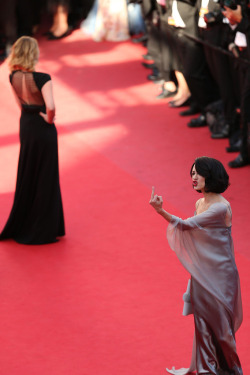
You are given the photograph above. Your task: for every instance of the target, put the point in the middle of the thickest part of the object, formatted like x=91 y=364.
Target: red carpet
x=107 y=299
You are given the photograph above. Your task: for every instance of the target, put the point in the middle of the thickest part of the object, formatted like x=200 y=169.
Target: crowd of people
x=113 y=20
x=56 y=19
x=199 y=51
x=191 y=73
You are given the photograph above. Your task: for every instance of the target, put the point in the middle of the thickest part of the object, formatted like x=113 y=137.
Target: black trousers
x=243 y=71
x=222 y=70
x=154 y=37
x=193 y=64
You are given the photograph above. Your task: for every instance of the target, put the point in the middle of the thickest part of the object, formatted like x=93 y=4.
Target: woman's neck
x=210 y=197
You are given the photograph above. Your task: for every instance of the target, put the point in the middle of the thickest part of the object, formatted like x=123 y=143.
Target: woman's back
x=27 y=86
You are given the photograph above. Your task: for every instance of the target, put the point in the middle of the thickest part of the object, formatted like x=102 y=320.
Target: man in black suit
x=241 y=18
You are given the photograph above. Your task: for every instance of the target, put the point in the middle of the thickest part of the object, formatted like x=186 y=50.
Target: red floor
x=107 y=299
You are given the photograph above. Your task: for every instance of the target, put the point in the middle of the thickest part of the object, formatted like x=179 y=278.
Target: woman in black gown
x=37 y=214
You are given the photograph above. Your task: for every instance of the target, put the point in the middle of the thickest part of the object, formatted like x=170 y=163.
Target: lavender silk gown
x=204 y=246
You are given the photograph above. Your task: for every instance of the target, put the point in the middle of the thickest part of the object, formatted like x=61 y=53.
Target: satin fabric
x=204 y=246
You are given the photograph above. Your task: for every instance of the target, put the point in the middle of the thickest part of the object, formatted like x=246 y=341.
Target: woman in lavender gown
x=204 y=246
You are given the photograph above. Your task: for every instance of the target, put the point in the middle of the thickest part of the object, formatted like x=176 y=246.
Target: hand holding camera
x=234 y=15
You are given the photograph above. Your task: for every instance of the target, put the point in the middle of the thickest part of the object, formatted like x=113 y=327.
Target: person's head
x=214 y=176
x=24 y=54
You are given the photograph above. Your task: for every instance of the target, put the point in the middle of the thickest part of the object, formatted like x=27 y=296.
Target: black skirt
x=37 y=214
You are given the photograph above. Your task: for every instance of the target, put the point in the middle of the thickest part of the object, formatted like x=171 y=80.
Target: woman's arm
x=47 y=92
x=156 y=202
x=216 y=212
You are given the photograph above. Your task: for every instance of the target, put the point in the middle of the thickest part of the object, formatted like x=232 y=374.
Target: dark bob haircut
x=216 y=177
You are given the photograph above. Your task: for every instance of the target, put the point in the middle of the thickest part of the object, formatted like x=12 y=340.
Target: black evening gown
x=37 y=213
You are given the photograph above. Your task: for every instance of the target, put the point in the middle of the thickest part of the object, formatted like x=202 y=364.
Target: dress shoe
x=197 y=122
x=51 y=36
x=147 y=57
x=148 y=66
x=223 y=133
x=192 y=110
x=173 y=104
x=238 y=162
x=233 y=148
x=166 y=94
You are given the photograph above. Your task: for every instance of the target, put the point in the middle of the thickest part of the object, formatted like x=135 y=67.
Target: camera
x=211 y=18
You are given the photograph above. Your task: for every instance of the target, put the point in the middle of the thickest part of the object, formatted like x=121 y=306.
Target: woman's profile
x=37 y=213
x=204 y=246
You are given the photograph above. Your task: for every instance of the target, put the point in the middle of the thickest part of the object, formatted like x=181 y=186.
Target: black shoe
x=233 y=149
x=166 y=94
x=173 y=105
x=64 y=35
x=192 y=110
x=238 y=162
x=197 y=122
x=147 y=57
x=224 y=133
x=148 y=66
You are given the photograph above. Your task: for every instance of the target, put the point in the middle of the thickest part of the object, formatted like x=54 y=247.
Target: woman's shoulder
x=41 y=75
x=222 y=201
x=222 y=206
x=219 y=205
x=41 y=78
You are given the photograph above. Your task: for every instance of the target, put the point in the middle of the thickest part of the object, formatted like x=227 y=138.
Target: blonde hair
x=24 y=54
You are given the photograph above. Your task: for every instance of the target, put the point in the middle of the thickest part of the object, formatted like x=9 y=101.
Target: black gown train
x=37 y=213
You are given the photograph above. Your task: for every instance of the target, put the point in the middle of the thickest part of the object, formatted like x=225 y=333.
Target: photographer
x=217 y=35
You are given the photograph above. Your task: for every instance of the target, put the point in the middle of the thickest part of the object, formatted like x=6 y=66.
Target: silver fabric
x=187 y=306
x=204 y=246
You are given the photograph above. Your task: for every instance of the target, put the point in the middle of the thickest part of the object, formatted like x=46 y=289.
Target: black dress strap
x=40 y=79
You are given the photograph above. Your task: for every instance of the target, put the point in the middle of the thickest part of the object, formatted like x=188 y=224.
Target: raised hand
x=233 y=15
x=156 y=201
